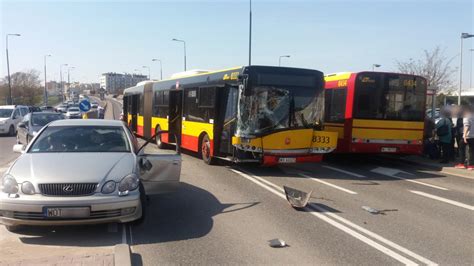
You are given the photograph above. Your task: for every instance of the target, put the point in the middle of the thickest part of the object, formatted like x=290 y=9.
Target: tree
x=26 y=87
x=435 y=67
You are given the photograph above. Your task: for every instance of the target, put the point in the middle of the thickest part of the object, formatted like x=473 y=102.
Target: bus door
x=226 y=118
x=147 y=110
x=175 y=115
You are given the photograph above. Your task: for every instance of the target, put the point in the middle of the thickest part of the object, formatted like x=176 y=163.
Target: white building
x=114 y=83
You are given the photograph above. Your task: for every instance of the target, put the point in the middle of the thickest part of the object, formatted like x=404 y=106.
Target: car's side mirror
x=22 y=125
x=145 y=164
x=19 y=148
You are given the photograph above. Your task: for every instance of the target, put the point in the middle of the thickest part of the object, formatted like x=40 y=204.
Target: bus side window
x=191 y=110
x=335 y=105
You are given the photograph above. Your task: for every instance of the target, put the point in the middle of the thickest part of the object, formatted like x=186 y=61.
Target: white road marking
x=325 y=217
x=329 y=184
x=393 y=173
x=343 y=171
x=131 y=236
x=452 y=202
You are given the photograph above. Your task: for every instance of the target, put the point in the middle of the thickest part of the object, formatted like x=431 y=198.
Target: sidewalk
x=435 y=165
x=94 y=259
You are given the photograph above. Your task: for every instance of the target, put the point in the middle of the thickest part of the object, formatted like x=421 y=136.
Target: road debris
x=375 y=211
x=371 y=210
x=297 y=198
x=277 y=243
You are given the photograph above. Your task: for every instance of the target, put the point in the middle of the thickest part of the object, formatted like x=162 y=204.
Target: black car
x=32 y=123
x=34 y=109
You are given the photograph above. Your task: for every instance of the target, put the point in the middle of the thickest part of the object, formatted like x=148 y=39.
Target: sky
x=332 y=36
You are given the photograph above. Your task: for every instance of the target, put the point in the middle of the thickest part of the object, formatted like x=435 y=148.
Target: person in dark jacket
x=459 y=130
x=444 y=132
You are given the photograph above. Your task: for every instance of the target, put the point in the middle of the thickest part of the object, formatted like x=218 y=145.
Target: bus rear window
x=389 y=97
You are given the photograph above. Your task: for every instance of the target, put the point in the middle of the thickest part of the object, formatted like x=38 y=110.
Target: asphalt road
x=226 y=214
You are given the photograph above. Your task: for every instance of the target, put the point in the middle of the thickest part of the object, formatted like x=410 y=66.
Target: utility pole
x=176 y=40
x=281 y=56
x=45 y=82
x=10 y=98
x=374 y=66
x=61 y=80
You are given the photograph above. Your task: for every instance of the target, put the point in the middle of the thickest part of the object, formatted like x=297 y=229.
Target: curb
x=441 y=169
x=122 y=256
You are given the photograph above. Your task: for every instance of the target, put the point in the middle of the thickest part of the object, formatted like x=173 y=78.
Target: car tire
x=11 y=131
x=205 y=150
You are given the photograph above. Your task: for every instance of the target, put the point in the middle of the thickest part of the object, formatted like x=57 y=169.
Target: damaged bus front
x=279 y=116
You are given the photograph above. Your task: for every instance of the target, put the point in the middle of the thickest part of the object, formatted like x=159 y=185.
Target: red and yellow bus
x=262 y=114
x=375 y=112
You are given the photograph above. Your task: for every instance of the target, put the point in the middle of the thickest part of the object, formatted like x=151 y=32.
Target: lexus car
x=83 y=172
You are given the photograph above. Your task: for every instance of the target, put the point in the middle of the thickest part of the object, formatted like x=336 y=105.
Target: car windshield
x=4 y=113
x=81 y=139
x=43 y=119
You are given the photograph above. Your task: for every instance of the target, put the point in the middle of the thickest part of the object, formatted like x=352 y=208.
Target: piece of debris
x=277 y=243
x=371 y=210
x=297 y=198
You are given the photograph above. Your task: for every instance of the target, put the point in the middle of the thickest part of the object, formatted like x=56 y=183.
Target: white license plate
x=389 y=149
x=79 y=212
x=287 y=160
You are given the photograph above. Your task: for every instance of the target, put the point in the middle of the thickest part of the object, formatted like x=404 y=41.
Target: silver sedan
x=82 y=172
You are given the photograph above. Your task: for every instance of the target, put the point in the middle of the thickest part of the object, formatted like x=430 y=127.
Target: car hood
x=72 y=167
x=4 y=119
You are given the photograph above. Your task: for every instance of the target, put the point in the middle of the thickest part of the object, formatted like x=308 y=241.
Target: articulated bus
x=375 y=112
x=263 y=114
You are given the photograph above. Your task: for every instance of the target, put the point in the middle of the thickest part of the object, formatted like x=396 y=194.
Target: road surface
x=226 y=214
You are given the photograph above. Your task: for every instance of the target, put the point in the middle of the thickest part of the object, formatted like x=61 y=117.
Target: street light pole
x=45 y=82
x=470 y=75
x=176 y=40
x=68 y=75
x=374 y=66
x=463 y=36
x=161 y=67
x=61 y=79
x=250 y=33
x=281 y=56
x=149 y=72
x=10 y=99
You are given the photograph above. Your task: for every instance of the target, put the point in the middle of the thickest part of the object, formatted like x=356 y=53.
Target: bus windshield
x=389 y=97
x=270 y=108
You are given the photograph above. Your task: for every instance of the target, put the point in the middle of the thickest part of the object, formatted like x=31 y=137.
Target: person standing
x=468 y=137
x=444 y=132
x=459 y=131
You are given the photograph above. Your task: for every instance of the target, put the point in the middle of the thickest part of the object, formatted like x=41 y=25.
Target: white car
x=84 y=172
x=73 y=113
x=10 y=116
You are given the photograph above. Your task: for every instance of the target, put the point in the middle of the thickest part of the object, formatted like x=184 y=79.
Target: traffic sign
x=84 y=105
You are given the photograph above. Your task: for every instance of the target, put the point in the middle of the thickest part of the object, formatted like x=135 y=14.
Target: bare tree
x=435 y=67
x=26 y=87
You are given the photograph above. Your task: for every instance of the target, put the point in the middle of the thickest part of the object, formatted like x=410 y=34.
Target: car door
x=22 y=131
x=159 y=170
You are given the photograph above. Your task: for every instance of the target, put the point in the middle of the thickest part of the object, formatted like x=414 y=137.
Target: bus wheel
x=206 y=150
x=158 y=141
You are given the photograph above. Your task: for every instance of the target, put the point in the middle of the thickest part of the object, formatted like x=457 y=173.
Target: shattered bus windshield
x=270 y=108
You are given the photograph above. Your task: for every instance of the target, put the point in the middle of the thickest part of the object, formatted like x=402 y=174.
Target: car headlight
x=9 y=185
x=108 y=187
x=3 y=122
x=128 y=183
x=27 y=188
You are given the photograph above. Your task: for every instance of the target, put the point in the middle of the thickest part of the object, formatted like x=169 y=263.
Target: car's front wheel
x=11 y=131
x=143 y=202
